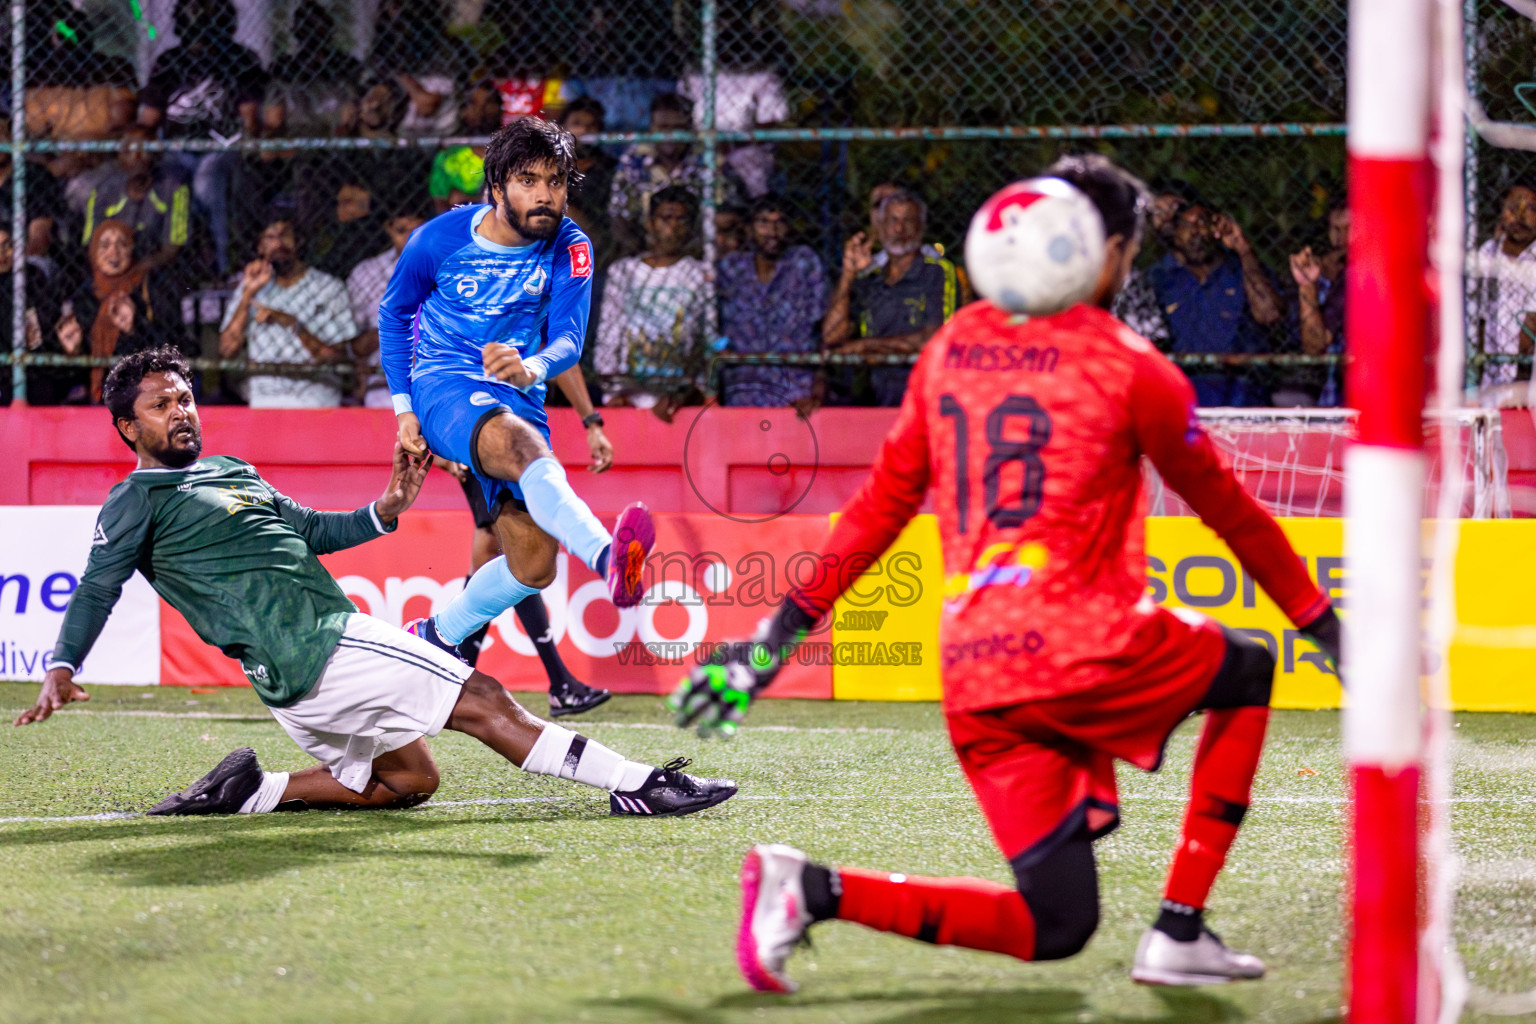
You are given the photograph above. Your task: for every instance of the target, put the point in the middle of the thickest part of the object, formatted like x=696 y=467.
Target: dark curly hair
x=1121 y=197
x=527 y=142
x=121 y=388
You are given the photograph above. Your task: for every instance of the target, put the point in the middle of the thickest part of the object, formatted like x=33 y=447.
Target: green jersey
x=235 y=557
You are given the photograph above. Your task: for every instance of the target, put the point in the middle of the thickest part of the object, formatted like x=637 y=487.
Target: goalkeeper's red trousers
x=984 y=915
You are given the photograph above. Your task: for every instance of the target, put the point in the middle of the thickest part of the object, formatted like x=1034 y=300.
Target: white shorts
x=381 y=689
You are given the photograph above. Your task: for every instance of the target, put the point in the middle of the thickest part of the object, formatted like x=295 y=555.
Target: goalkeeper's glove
x=714 y=697
x=1325 y=631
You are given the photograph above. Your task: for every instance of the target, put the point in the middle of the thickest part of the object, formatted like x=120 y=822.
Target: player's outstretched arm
x=406 y=475
x=59 y=689
x=326 y=532
x=118 y=545
x=715 y=696
x=574 y=385
x=1163 y=411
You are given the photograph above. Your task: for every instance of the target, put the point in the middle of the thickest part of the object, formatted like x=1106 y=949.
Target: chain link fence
x=1501 y=207
x=267 y=158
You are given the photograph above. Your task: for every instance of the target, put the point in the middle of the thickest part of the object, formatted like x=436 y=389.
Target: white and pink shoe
x=773 y=915
x=634 y=535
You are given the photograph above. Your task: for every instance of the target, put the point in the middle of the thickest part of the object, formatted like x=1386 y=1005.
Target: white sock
x=267 y=795
x=565 y=755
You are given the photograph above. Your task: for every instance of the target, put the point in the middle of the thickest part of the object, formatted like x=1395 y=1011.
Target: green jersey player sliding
x=237 y=559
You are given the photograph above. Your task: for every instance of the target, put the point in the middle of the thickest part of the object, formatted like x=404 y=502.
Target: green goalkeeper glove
x=714 y=697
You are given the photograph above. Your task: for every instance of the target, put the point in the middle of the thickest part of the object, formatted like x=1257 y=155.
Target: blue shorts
x=453 y=409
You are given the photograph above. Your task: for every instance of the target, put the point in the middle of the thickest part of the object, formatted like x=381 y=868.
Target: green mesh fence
x=203 y=122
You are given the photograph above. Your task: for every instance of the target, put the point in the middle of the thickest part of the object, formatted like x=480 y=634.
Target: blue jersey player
x=486 y=303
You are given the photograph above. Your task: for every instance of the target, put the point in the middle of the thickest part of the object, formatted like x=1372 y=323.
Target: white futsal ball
x=1035 y=247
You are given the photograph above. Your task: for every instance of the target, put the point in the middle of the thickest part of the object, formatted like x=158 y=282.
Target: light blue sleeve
x=570 y=304
x=409 y=286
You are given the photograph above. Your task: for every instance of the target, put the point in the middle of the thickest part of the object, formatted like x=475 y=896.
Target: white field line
x=72 y=712
x=120 y=815
x=779 y=797
x=595 y=725
x=104 y=816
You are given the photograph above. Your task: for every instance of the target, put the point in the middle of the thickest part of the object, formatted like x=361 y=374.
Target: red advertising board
x=709 y=580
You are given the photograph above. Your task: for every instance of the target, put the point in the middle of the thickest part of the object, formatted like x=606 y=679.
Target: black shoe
x=669 y=791
x=574 y=698
x=222 y=791
x=466 y=650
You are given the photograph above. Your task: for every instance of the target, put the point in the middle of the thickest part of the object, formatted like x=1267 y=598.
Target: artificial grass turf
x=548 y=910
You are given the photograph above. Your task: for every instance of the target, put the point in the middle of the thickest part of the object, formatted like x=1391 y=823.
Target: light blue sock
x=490 y=591
x=562 y=515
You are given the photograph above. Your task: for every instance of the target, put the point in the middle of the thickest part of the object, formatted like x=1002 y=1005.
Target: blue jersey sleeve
x=570 y=304
x=414 y=278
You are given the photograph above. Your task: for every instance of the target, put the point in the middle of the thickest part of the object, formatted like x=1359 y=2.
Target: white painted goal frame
x=1292 y=460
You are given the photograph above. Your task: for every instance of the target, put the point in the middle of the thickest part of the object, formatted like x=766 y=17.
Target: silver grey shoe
x=1162 y=960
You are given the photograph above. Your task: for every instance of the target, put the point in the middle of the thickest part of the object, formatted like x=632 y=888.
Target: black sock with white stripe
x=534 y=615
x=563 y=754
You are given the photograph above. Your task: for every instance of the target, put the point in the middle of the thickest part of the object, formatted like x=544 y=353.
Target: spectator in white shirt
x=651 y=327
x=365 y=289
x=288 y=313
x=1502 y=286
x=744 y=99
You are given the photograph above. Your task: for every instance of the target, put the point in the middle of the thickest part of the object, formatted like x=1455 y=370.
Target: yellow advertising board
x=1188 y=566
x=1493 y=652
x=894 y=615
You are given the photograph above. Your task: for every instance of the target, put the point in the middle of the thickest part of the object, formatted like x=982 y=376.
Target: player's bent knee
x=1061 y=889
x=480 y=703
x=1246 y=677
x=537 y=571
x=1064 y=933
x=410 y=800
x=421 y=786
x=409 y=790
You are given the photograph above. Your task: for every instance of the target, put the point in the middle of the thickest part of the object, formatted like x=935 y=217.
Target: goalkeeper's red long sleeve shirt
x=1030 y=433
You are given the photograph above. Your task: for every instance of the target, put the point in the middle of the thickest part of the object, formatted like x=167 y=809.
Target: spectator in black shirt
x=45 y=203
x=588 y=205
x=121 y=308
x=350 y=231
x=412 y=45
x=892 y=306
x=313 y=84
x=208 y=86
x=45 y=385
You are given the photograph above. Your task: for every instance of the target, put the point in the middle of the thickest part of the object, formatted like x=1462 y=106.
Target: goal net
x=1292 y=460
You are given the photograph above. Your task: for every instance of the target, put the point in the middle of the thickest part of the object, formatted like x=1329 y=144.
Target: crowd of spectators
x=294 y=247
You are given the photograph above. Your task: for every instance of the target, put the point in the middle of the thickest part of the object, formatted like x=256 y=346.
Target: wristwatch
x=592 y=419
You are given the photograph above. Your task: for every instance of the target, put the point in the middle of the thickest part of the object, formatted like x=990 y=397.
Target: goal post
x=1386 y=334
